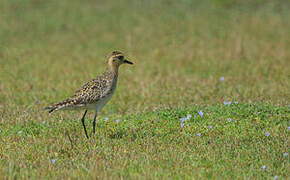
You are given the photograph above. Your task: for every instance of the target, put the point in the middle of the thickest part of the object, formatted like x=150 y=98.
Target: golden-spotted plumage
x=90 y=93
x=97 y=92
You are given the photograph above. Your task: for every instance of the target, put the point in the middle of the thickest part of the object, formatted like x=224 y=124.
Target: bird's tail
x=59 y=106
x=50 y=108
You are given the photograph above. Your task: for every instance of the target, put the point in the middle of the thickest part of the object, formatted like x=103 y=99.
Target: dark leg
x=94 y=122
x=83 y=122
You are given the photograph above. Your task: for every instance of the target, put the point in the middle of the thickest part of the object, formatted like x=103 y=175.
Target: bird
x=96 y=93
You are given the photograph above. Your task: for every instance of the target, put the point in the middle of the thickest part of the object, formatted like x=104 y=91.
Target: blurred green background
x=180 y=49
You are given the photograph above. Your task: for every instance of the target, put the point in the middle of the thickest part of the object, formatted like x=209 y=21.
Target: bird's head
x=115 y=59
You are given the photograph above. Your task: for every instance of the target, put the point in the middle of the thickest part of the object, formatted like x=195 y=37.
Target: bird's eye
x=121 y=57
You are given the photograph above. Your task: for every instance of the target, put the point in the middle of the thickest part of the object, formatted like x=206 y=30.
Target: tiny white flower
x=117 y=120
x=222 y=78
x=263 y=167
x=230 y=120
x=188 y=116
x=19 y=132
x=43 y=122
x=106 y=119
x=276 y=177
x=285 y=154
x=181 y=125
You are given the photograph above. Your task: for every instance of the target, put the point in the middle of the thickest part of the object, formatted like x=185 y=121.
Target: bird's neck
x=112 y=71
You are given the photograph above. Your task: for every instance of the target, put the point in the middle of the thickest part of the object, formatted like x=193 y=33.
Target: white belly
x=100 y=104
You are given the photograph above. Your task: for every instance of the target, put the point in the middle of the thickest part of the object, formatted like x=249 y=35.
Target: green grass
x=154 y=145
x=180 y=50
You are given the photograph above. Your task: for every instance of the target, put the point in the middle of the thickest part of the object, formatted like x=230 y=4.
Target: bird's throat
x=112 y=71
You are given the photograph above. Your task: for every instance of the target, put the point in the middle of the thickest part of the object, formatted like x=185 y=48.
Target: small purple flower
x=188 y=116
x=236 y=102
x=19 y=132
x=106 y=119
x=210 y=127
x=288 y=127
x=183 y=119
x=200 y=113
x=285 y=154
x=259 y=113
x=222 y=78
x=263 y=167
x=117 y=120
x=53 y=161
x=43 y=122
x=267 y=134
x=181 y=125
x=198 y=134
x=230 y=120
x=227 y=103
x=276 y=177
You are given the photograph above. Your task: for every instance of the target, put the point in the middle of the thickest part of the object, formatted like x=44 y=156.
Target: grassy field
x=190 y=57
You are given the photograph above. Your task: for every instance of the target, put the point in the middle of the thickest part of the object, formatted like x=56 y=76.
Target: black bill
x=128 y=62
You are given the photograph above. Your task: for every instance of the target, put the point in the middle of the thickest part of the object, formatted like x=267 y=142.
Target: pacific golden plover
x=95 y=93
